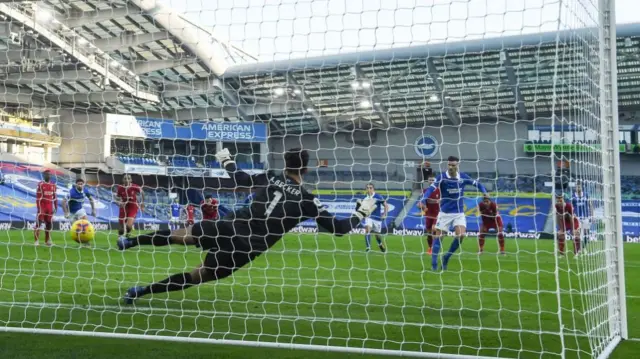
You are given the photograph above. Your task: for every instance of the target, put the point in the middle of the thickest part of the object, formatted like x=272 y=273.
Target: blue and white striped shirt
x=581 y=205
x=452 y=191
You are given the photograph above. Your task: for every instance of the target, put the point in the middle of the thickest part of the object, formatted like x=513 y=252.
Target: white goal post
x=383 y=95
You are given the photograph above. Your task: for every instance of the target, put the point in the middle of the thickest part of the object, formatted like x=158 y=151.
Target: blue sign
x=631 y=220
x=343 y=206
x=130 y=126
x=525 y=215
x=426 y=146
x=18 y=197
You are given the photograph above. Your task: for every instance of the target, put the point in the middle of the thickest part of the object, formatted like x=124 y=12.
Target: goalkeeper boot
x=131 y=294
x=125 y=243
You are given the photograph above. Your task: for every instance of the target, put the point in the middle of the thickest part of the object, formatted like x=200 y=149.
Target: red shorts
x=45 y=215
x=492 y=224
x=128 y=211
x=190 y=222
x=431 y=222
x=566 y=225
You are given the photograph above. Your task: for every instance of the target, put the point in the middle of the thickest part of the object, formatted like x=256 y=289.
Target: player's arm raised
x=313 y=209
x=242 y=178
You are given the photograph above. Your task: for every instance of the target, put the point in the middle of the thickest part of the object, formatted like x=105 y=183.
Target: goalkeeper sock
x=379 y=239
x=435 y=252
x=501 y=241
x=481 y=242
x=430 y=241
x=367 y=239
x=180 y=281
x=454 y=247
x=158 y=238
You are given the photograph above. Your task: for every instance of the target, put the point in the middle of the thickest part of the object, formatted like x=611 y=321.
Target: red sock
x=430 y=241
x=561 y=243
x=481 y=241
x=501 y=241
x=576 y=244
x=48 y=226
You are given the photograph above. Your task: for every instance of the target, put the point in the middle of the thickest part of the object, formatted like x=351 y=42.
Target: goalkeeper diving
x=280 y=204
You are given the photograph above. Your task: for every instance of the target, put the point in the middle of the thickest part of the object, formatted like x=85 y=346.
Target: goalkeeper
x=451 y=184
x=280 y=203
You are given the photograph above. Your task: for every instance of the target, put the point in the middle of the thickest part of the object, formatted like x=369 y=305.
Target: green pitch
x=308 y=290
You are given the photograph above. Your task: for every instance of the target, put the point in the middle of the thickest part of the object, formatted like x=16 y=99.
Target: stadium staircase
x=410 y=203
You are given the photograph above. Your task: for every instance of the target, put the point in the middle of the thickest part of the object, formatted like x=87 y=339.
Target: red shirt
x=191 y=210
x=488 y=212
x=209 y=210
x=46 y=197
x=128 y=195
x=565 y=210
x=433 y=208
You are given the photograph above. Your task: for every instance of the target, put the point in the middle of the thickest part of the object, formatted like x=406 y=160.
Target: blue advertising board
x=130 y=126
x=343 y=206
x=17 y=196
x=631 y=220
x=526 y=215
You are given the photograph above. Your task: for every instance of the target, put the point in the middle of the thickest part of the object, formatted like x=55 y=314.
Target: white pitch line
x=239 y=315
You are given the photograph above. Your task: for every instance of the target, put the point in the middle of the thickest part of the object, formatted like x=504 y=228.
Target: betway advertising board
x=631 y=221
x=344 y=206
x=520 y=215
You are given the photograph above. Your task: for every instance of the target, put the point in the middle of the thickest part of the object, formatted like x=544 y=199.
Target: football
x=82 y=231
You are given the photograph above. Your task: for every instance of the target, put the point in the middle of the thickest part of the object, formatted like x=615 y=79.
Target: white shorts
x=447 y=220
x=376 y=226
x=79 y=214
x=175 y=220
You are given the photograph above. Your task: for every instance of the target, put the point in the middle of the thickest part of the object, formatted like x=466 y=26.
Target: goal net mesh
x=381 y=93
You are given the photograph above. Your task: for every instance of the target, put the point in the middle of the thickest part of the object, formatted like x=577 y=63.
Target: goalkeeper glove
x=365 y=207
x=224 y=156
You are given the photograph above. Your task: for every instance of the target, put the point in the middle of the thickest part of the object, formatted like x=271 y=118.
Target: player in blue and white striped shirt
x=451 y=184
x=175 y=210
x=73 y=203
x=583 y=209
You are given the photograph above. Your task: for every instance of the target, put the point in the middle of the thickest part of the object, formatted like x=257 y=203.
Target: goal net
x=382 y=94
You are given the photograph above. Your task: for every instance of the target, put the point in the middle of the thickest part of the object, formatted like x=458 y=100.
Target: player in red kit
x=209 y=208
x=490 y=220
x=127 y=194
x=431 y=211
x=567 y=223
x=191 y=214
x=47 y=206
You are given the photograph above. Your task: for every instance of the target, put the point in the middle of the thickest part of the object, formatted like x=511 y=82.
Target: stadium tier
x=445 y=179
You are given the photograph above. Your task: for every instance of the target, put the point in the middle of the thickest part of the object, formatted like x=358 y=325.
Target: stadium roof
x=137 y=57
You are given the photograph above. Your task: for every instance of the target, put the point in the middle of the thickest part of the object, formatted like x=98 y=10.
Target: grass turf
x=309 y=290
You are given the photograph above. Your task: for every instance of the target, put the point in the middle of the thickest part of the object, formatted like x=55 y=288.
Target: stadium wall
x=482 y=147
x=84 y=138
